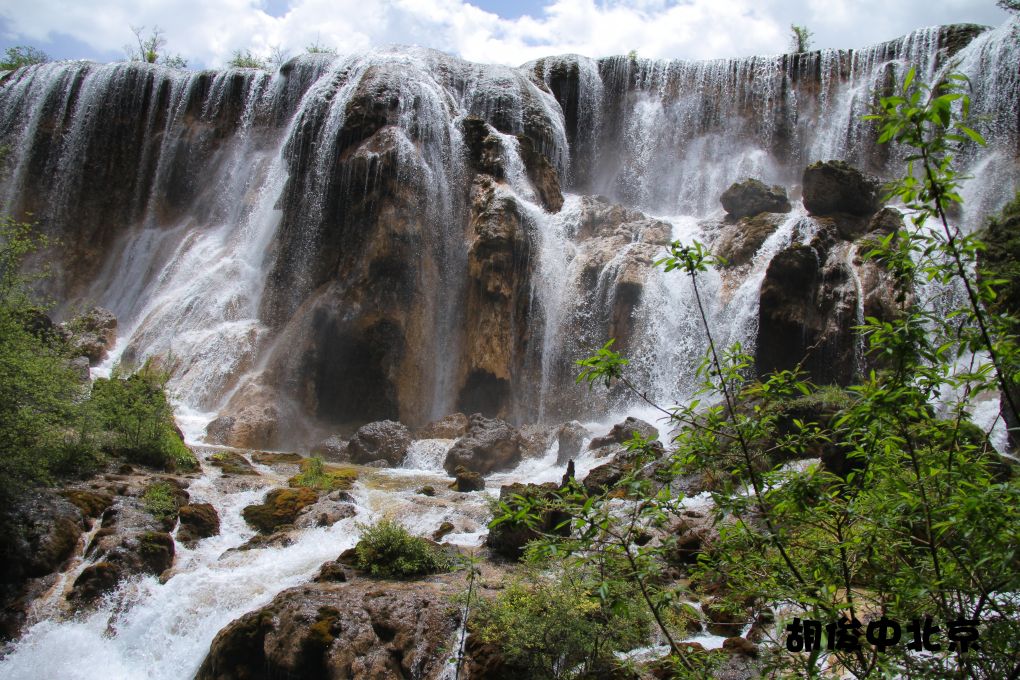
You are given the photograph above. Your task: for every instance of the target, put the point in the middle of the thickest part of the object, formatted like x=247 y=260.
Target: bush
x=562 y=622
x=22 y=55
x=137 y=418
x=389 y=550
x=160 y=501
x=316 y=475
x=247 y=59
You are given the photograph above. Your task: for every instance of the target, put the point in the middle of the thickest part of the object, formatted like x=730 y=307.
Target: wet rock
x=280 y=507
x=427 y=490
x=326 y=511
x=605 y=477
x=92 y=334
x=737 y=242
x=741 y=646
x=466 y=480
x=197 y=521
x=484 y=149
x=509 y=538
x=123 y=553
x=80 y=367
x=570 y=438
x=624 y=432
x=251 y=421
x=444 y=529
x=384 y=440
x=331 y=572
x=490 y=445
x=449 y=427
x=283 y=537
x=537 y=439
x=232 y=463
x=807 y=311
x=356 y=629
x=833 y=187
x=91 y=503
x=332 y=448
x=724 y=619
x=542 y=175
x=751 y=197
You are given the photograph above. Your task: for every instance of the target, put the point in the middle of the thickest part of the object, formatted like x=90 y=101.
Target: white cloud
x=208 y=32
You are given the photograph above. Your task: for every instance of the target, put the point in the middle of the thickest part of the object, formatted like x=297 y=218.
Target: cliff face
x=399 y=234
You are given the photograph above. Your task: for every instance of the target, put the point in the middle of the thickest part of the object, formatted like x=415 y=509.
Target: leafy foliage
x=316 y=475
x=150 y=48
x=160 y=501
x=247 y=59
x=561 y=622
x=800 y=38
x=22 y=55
x=909 y=513
x=389 y=550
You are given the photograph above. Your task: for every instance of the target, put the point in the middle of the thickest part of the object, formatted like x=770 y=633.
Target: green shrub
x=389 y=550
x=137 y=417
x=160 y=501
x=562 y=622
x=316 y=475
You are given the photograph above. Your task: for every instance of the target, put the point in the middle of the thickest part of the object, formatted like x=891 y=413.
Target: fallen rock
x=232 y=463
x=444 y=529
x=385 y=440
x=834 y=187
x=427 y=490
x=490 y=445
x=751 y=197
x=332 y=448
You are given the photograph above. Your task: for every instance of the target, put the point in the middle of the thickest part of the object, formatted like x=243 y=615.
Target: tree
x=22 y=55
x=150 y=48
x=278 y=56
x=800 y=38
x=910 y=521
x=318 y=48
x=1009 y=5
x=247 y=59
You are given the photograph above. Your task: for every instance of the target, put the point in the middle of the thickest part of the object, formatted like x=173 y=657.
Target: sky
x=207 y=32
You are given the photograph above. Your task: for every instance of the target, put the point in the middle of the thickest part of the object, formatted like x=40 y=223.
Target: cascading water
x=306 y=239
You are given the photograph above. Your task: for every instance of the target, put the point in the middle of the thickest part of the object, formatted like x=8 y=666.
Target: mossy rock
x=156 y=550
x=324 y=477
x=94 y=581
x=232 y=463
x=280 y=507
x=198 y=521
x=269 y=458
x=91 y=503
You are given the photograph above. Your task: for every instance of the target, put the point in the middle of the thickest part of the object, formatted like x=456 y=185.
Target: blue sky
x=207 y=32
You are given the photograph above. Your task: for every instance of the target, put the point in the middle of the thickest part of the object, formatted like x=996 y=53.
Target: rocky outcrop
x=752 y=197
x=509 y=538
x=465 y=480
x=808 y=304
x=624 y=432
x=737 y=242
x=490 y=445
x=569 y=440
x=385 y=440
x=834 y=187
x=92 y=334
x=357 y=629
x=449 y=427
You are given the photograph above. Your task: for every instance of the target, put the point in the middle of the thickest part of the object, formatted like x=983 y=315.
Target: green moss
x=280 y=507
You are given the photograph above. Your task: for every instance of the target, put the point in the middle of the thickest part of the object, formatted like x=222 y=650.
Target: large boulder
x=280 y=507
x=737 y=242
x=751 y=197
x=448 y=427
x=330 y=629
x=490 y=445
x=198 y=521
x=625 y=431
x=570 y=438
x=834 y=187
x=509 y=538
x=385 y=440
